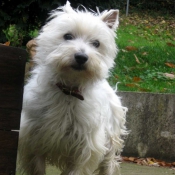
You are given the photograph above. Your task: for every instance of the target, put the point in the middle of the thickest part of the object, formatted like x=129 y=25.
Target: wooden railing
x=12 y=66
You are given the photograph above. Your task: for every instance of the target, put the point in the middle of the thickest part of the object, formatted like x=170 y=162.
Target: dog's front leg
x=36 y=165
x=39 y=166
x=109 y=165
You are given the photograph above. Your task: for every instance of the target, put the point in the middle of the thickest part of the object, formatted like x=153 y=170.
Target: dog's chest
x=71 y=114
x=71 y=124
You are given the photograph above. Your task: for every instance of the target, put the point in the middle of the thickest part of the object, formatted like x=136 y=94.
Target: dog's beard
x=79 y=67
x=65 y=68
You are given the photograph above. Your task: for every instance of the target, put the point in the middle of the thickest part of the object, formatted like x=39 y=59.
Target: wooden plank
x=9 y=119
x=10 y=97
x=8 y=152
x=12 y=66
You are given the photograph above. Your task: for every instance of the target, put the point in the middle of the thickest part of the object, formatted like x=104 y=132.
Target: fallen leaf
x=144 y=90
x=149 y=162
x=171 y=44
x=139 y=161
x=144 y=53
x=163 y=22
x=123 y=50
x=130 y=41
x=170 y=65
x=125 y=158
x=144 y=162
x=130 y=48
x=154 y=164
x=168 y=164
x=149 y=159
x=137 y=60
x=171 y=76
x=116 y=76
x=131 y=85
x=132 y=159
x=7 y=43
x=136 y=79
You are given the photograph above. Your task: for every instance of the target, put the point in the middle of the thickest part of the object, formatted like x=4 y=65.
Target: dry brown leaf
x=116 y=76
x=131 y=85
x=171 y=44
x=144 y=90
x=139 y=161
x=163 y=22
x=171 y=76
x=130 y=41
x=137 y=60
x=154 y=164
x=144 y=162
x=132 y=159
x=130 y=48
x=7 y=43
x=136 y=79
x=123 y=50
x=169 y=164
x=170 y=65
x=125 y=158
x=144 y=53
x=149 y=161
x=162 y=163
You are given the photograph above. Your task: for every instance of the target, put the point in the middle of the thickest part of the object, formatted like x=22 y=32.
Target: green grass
x=142 y=68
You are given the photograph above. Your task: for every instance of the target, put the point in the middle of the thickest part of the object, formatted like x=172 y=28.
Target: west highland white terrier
x=71 y=117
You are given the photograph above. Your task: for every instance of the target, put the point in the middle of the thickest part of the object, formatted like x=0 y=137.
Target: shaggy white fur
x=81 y=137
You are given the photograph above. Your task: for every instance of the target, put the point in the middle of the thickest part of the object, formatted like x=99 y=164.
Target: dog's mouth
x=78 y=67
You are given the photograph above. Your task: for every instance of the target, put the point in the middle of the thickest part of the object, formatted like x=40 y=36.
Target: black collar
x=70 y=91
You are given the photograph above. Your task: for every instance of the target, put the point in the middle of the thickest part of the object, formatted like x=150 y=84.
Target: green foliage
x=26 y=16
x=156 y=5
x=14 y=36
x=29 y=15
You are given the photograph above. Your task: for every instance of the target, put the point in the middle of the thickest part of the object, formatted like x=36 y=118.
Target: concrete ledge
x=151 y=119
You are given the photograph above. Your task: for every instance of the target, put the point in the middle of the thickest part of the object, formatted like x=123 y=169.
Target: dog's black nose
x=81 y=58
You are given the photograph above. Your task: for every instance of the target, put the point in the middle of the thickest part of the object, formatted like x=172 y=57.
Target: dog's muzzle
x=80 y=60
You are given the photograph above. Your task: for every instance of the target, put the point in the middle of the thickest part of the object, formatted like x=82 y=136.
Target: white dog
x=71 y=117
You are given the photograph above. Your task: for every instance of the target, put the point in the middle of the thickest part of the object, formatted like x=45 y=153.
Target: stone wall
x=151 y=121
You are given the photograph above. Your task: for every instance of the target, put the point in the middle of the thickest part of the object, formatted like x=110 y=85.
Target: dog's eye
x=96 y=43
x=68 y=36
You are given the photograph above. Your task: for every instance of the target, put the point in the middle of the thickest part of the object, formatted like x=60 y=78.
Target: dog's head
x=78 y=45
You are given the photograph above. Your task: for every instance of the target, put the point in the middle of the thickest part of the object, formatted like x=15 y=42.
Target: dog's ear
x=111 y=18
